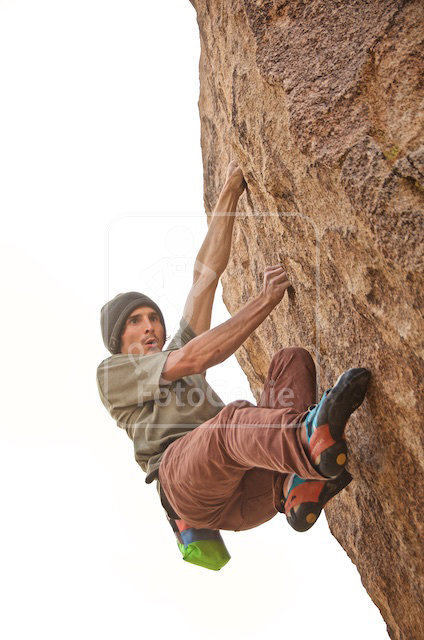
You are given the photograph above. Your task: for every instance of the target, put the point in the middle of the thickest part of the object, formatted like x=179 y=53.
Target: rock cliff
x=320 y=103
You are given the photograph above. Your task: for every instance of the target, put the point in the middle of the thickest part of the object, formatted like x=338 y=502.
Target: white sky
x=99 y=135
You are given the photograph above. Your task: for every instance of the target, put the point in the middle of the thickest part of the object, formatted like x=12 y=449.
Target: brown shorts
x=228 y=472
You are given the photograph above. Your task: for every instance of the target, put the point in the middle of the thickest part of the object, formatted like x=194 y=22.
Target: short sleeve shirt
x=152 y=414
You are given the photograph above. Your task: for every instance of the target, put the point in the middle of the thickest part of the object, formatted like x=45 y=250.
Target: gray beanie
x=115 y=312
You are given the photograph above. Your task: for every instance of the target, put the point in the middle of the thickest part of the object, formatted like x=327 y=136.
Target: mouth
x=151 y=343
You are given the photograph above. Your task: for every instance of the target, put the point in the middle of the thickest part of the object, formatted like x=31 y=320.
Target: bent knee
x=291 y=353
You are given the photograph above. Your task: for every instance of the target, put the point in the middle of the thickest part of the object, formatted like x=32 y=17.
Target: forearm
x=218 y=344
x=215 y=250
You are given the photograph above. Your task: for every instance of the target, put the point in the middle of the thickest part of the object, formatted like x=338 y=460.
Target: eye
x=133 y=320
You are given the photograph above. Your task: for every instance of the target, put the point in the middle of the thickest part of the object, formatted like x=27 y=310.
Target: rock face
x=319 y=102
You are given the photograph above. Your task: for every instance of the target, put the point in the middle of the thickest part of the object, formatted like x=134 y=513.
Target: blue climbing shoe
x=326 y=422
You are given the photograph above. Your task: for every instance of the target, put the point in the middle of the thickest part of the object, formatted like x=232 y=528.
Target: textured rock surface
x=319 y=102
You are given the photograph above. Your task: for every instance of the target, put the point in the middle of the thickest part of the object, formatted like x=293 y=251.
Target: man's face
x=143 y=332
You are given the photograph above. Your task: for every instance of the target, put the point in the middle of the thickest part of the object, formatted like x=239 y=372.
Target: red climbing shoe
x=306 y=498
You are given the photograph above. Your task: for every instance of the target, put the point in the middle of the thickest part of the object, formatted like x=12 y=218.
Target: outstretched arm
x=218 y=344
x=216 y=247
x=214 y=253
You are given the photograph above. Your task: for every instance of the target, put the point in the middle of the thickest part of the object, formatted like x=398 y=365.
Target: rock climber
x=235 y=466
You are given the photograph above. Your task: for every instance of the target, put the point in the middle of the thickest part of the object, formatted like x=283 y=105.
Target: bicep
x=198 y=307
x=178 y=364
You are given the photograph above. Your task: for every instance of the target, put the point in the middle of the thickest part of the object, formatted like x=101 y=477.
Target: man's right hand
x=275 y=284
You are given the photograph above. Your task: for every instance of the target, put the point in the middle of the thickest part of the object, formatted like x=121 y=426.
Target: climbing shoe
x=326 y=422
x=306 y=498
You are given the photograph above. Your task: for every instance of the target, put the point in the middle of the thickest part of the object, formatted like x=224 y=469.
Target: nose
x=148 y=326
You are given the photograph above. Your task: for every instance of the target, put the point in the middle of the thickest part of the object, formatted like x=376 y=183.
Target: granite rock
x=320 y=102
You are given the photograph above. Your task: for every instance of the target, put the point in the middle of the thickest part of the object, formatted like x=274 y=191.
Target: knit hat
x=115 y=313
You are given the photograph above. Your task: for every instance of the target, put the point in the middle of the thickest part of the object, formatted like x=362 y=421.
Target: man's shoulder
x=118 y=361
x=182 y=336
x=113 y=359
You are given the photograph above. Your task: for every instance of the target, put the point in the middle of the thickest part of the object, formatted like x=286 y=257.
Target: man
x=224 y=467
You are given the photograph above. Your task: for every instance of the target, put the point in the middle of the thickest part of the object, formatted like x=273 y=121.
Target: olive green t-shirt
x=154 y=414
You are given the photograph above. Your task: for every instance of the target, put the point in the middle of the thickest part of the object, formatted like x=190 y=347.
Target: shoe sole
x=346 y=396
x=308 y=512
